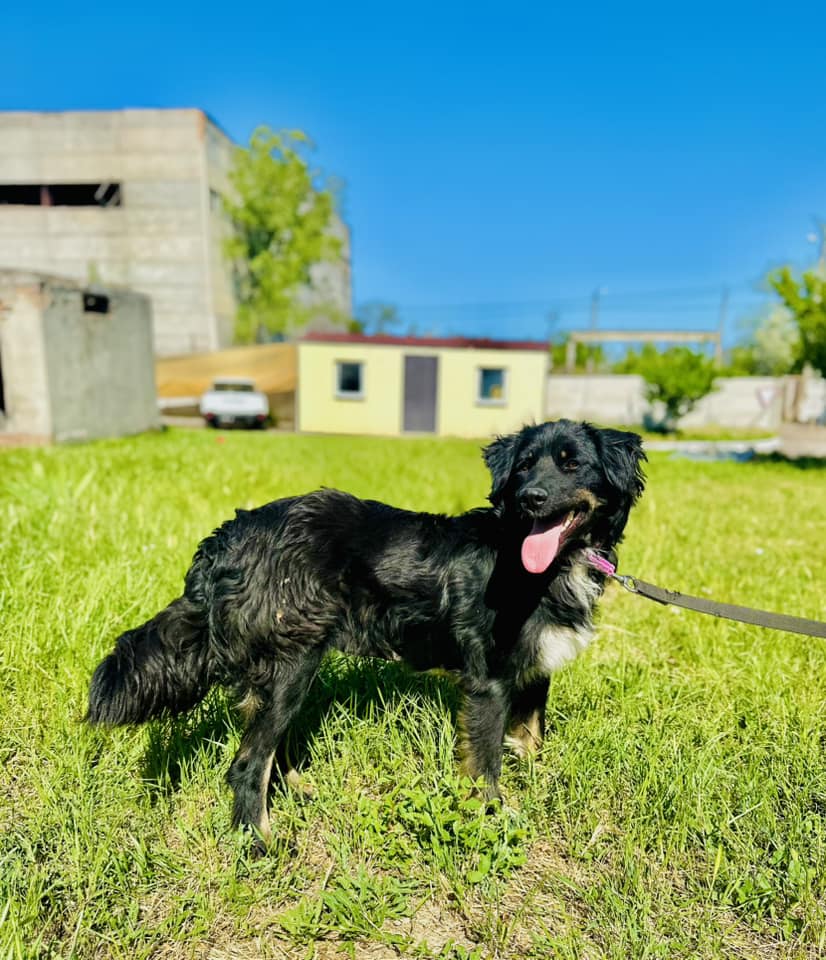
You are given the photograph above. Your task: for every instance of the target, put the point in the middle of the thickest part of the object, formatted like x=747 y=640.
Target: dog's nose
x=533 y=497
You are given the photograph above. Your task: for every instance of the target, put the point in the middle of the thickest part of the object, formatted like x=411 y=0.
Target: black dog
x=502 y=596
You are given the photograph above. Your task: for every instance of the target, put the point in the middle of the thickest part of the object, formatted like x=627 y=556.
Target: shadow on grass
x=801 y=463
x=749 y=458
x=209 y=734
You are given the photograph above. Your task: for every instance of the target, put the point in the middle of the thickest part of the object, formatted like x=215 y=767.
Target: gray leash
x=729 y=611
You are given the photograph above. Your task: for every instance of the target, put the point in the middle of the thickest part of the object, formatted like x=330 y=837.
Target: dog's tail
x=162 y=667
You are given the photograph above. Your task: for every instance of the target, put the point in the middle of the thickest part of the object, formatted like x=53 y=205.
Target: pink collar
x=600 y=563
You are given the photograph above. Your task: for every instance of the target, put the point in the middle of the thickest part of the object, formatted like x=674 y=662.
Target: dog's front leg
x=482 y=731
x=526 y=729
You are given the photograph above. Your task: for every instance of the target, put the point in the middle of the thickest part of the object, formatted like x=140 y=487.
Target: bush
x=676 y=378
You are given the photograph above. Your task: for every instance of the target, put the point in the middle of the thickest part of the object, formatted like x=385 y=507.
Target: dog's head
x=566 y=484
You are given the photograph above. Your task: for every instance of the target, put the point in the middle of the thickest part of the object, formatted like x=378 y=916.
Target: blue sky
x=500 y=160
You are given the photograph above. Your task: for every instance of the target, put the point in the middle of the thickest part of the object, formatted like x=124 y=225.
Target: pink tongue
x=540 y=547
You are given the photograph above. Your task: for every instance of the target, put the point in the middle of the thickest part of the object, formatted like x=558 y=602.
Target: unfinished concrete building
x=133 y=198
x=75 y=363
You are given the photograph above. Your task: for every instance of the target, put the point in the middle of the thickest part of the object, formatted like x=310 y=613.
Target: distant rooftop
x=135 y=112
x=386 y=340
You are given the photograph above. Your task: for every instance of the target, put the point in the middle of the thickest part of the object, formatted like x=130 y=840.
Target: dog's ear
x=499 y=457
x=622 y=456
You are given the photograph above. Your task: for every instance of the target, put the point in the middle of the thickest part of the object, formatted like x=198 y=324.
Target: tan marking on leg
x=293 y=780
x=249 y=705
x=264 y=820
x=525 y=734
x=285 y=759
x=467 y=761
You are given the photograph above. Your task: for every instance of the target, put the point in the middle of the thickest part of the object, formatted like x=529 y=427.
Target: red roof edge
x=386 y=340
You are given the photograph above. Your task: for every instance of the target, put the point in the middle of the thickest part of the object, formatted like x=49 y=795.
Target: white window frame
x=492 y=401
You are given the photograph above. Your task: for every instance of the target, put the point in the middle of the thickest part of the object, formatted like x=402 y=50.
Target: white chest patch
x=559 y=645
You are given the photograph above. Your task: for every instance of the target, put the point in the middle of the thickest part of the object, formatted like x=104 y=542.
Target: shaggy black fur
x=500 y=595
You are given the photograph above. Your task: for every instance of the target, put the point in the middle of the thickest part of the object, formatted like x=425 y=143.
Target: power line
x=607 y=299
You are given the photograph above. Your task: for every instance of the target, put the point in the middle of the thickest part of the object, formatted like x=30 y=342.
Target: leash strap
x=729 y=611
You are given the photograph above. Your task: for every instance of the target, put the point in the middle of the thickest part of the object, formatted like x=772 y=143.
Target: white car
x=234 y=401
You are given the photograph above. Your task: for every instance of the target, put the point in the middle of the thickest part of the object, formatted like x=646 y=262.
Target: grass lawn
x=708 y=433
x=677 y=809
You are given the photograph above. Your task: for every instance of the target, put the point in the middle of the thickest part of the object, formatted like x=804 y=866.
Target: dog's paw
x=258 y=849
x=300 y=790
x=488 y=793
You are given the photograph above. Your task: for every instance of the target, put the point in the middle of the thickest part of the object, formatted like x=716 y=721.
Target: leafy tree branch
x=283 y=223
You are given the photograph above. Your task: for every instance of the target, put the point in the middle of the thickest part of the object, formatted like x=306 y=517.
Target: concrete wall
x=218 y=162
x=71 y=374
x=23 y=356
x=100 y=366
x=380 y=411
x=603 y=398
x=755 y=402
x=810 y=393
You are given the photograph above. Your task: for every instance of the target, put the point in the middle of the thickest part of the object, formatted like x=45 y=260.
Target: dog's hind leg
x=269 y=714
x=526 y=729
x=482 y=731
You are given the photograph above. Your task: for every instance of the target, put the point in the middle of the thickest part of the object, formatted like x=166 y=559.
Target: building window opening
x=492 y=382
x=349 y=380
x=95 y=303
x=20 y=194
x=84 y=194
x=61 y=194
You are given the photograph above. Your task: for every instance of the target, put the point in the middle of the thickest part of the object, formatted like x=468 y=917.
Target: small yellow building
x=352 y=383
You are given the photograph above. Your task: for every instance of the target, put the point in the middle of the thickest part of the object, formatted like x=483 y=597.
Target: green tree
x=776 y=342
x=283 y=221
x=806 y=299
x=677 y=378
x=770 y=348
x=376 y=316
x=740 y=361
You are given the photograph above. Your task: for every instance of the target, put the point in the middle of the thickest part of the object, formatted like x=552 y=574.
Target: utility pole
x=595 y=297
x=721 y=323
x=821 y=260
x=595 y=307
x=552 y=320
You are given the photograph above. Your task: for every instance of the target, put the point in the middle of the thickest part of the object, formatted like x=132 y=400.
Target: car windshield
x=236 y=387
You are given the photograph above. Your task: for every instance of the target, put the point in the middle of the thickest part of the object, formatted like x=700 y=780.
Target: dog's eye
x=567 y=461
x=524 y=464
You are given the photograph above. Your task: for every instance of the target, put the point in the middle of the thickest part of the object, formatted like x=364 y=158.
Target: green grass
x=677 y=809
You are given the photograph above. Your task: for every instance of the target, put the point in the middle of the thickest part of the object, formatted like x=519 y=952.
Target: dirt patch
x=802 y=440
x=23 y=440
